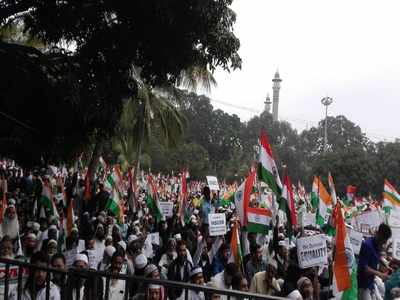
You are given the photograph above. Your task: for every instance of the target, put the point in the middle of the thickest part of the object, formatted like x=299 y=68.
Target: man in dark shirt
x=369 y=259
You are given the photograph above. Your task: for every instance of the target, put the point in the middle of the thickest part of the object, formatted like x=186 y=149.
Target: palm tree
x=156 y=109
x=149 y=112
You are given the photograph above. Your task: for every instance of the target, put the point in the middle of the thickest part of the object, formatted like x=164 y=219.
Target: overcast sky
x=345 y=49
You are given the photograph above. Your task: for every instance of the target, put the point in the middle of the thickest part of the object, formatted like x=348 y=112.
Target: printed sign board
x=167 y=208
x=308 y=219
x=312 y=251
x=356 y=239
x=368 y=222
x=396 y=248
x=212 y=182
x=217 y=224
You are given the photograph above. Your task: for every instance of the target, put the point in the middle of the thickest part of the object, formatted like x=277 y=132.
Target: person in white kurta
x=117 y=286
x=36 y=282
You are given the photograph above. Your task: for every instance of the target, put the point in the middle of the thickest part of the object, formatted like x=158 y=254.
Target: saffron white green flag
x=321 y=200
x=258 y=220
x=47 y=199
x=114 y=204
x=267 y=170
x=344 y=264
x=391 y=198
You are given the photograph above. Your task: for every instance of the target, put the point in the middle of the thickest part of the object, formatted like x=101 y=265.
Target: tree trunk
x=98 y=147
x=141 y=137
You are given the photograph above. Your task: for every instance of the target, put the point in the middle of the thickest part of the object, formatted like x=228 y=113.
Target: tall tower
x=276 y=86
x=267 y=102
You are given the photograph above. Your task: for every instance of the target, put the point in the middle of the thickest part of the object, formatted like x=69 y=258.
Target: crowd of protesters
x=142 y=242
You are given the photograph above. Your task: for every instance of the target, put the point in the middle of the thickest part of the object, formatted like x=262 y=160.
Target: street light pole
x=326 y=102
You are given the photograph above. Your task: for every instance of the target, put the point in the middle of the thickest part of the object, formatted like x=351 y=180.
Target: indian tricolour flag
x=47 y=199
x=288 y=206
x=114 y=205
x=344 y=263
x=332 y=188
x=242 y=197
x=258 y=219
x=236 y=249
x=114 y=179
x=267 y=170
x=151 y=199
x=321 y=200
x=391 y=198
x=70 y=217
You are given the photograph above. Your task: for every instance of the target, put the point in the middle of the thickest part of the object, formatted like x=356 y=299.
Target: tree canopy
x=103 y=42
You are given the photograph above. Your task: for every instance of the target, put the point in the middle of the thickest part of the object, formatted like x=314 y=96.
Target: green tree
x=109 y=38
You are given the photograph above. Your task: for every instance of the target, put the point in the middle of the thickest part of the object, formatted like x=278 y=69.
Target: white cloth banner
x=312 y=251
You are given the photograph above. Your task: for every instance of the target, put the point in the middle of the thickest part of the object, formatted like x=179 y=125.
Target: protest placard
x=395 y=232
x=394 y=218
x=368 y=222
x=155 y=238
x=356 y=239
x=167 y=208
x=217 y=224
x=81 y=246
x=12 y=274
x=312 y=251
x=396 y=248
x=308 y=219
x=212 y=182
x=93 y=259
x=70 y=257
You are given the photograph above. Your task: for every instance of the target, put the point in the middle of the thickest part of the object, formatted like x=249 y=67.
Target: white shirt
x=117 y=289
x=54 y=294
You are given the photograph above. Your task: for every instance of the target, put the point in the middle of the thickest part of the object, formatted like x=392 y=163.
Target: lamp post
x=326 y=102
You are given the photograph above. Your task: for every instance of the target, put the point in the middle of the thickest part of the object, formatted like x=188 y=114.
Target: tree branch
x=7 y=11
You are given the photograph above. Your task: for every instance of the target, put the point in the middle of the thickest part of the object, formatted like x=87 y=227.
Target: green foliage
x=225 y=146
x=70 y=97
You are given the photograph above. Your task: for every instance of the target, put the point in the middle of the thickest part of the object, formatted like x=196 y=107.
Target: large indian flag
x=391 y=198
x=115 y=206
x=267 y=170
x=321 y=198
x=114 y=179
x=151 y=199
x=344 y=264
x=332 y=188
x=236 y=249
x=258 y=219
x=289 y=208
x=47 y=199
x=242 y=197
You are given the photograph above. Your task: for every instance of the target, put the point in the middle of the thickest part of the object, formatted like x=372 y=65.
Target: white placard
x=368 y=222
x=356 y=239
x=93 y=259
x=155 y=238
x=70 y=257
x=308 y=219
x=167 y=208
x=394 y=218
x=81 y=246
x=212 y=182
x=217 y=224
x=312 y=251
x=396 y=248
x=395 y=232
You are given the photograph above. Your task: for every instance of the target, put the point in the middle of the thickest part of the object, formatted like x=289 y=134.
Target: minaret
x=267 y=102
x=276 y=86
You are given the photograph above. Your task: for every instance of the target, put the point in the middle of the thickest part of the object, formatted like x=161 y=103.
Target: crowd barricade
x=15 y=275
